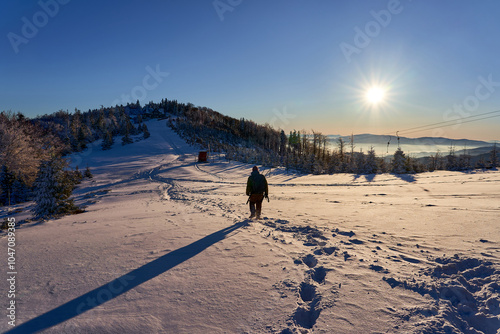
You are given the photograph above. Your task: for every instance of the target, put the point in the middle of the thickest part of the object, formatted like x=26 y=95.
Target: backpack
x=258 y=184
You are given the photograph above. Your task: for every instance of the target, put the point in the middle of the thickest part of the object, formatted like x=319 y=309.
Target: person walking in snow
x=257 y=189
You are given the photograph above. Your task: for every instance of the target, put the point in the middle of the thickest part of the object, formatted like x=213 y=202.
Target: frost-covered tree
x=359 y=162
x=108 y=141
x=383 y=165
x=6 y=186
x=464 y=161
x=76 y=176
x=494 y=156
x=126 y=139
x=127 y=127
x=81 y=139
x=342 y=155
x=145 y=132
x=22 y=145
x=451 y=160
x=77 y=131
x=371 y=162
x=399 y=162
x=283 y=142
x=88 y=173
x=435 y=162
x=352 y=159
x=53 y=188
x=481 y=163
x=45 y=191
x=412 y=165
x=20 y=191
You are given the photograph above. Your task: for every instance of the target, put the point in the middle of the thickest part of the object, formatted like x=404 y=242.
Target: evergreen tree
x=399 y=162
x=76 y=176
x=108 y=141
x=20 y=191
x=352 y=160
x=145 y=131
x=342 y=156
x=53 y=188
x=494 y=156
x=6 y=186
x=383 y=165
x=283 y=141
x=139 y=129
x=411 y=165
x=128 y=127
x=88 y=173
x=464 y=162
x=371 y=162
x=45 y=195
x=81 y=139
x=126 y=139
x=360 y=162
x=481 y=164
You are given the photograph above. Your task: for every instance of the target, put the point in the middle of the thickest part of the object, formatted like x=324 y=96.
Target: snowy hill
x=165 y=247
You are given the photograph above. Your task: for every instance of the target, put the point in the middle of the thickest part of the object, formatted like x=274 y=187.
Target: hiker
x=257 y=190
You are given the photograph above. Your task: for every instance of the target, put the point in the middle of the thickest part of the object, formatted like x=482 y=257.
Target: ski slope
x=165 y=247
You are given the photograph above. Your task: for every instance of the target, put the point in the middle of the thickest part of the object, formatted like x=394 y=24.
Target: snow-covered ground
x=165 y=247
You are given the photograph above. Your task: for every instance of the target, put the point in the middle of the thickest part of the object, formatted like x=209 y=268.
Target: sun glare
x=375 y=95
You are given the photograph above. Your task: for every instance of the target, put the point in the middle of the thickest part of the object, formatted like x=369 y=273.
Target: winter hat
x=255 y=169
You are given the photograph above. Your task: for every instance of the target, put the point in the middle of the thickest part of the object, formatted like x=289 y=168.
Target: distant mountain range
x=379 y=139
x=420 y=147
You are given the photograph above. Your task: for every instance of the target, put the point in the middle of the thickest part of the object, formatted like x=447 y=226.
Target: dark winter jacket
x=257 y=184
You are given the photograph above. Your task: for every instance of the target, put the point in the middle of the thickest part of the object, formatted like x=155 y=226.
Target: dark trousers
x=256 y=204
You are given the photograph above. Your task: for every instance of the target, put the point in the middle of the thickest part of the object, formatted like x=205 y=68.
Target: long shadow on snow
x=406 y=177
x=122 y=284
x=368 y=177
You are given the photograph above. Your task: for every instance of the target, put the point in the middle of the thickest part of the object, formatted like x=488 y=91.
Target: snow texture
x=164 y=246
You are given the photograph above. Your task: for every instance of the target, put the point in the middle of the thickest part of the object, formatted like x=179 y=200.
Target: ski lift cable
x=452 y=122
x=442 y=126
x=438 y=125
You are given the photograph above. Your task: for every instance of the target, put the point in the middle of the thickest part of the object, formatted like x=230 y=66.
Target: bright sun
x=375 y=95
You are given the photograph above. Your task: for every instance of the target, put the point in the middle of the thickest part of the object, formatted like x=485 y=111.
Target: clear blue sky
x=292 y=63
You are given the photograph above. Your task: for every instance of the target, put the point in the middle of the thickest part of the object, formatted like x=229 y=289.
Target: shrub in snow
x=88 y=173
x=53 y=188
x=76 y=176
